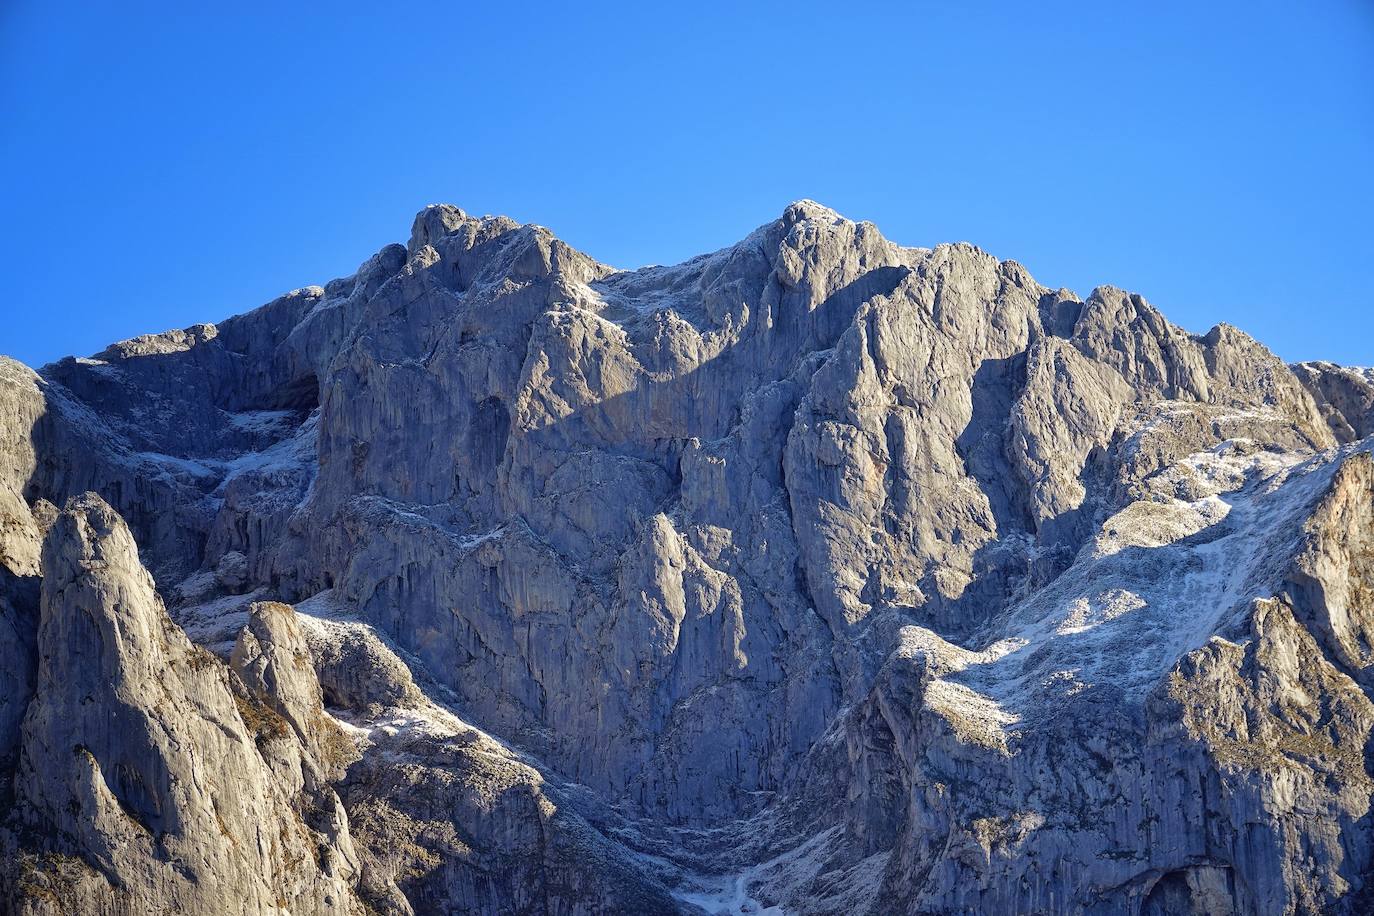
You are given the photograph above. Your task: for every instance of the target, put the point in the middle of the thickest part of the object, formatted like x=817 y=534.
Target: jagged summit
x=816 y=573
x=437 y=222
x=806 y=208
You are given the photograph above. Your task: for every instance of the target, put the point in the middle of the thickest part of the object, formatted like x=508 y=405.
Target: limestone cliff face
x=818 y=572
x=1345 y=395
x=140 y=786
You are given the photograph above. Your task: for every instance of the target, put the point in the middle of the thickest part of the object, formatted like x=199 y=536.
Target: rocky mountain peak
x=816 y=574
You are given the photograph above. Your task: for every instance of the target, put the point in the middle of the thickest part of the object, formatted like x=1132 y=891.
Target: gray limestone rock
x=817 y=573
x=140 y=787
x=1344 y=395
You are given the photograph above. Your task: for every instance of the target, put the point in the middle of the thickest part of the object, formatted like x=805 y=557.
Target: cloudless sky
x=165 y=164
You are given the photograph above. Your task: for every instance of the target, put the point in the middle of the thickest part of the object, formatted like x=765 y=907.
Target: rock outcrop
x=142 y=783
x=817 y=573
x=1346 y=397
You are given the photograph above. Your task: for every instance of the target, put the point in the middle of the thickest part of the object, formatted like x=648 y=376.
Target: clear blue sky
x=161 y=167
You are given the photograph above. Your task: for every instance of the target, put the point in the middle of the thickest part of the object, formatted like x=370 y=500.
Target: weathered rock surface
x=447 y=817
x=817 y=573
x=1345 y=395
x=140 y=787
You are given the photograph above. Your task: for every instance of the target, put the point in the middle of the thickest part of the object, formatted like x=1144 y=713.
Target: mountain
x=815 y=575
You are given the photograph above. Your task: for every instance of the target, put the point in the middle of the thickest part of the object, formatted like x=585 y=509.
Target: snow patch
x=1162 y=577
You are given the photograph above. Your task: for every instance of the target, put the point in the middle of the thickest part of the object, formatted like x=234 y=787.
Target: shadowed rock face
x=817 y=573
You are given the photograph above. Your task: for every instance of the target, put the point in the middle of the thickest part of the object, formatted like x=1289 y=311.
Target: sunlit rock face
x=815 y=575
